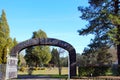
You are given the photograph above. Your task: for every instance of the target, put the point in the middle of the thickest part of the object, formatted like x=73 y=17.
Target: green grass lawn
x=53 y=73
x=47 y=71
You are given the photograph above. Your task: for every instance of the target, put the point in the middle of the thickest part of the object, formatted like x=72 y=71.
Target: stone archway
x=49 y=41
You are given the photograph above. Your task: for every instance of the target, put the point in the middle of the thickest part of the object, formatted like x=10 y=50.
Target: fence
x=2 y=71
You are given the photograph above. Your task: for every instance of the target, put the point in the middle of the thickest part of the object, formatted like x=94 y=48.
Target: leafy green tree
x=38 y=55
x=103 y=17
x=30 y=58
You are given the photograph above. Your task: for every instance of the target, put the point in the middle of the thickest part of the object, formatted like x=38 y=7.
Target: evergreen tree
x=97 y=53
x=56 y=60
x=5 y=25
x=55 y=57
x=2 y=41
x=15 y=42
x=5 y=40
x=31 y=60
x=103 y=16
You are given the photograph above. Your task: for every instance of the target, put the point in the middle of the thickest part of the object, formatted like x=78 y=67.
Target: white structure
x=11 y=67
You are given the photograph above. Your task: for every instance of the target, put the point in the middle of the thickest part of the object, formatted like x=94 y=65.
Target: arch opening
x=50 y=42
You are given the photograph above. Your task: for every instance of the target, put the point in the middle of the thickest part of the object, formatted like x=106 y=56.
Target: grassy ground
x=47 y=71
x=54 y=73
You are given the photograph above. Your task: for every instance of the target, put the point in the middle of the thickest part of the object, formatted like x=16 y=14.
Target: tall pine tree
x=5 y=40
x=103 y=16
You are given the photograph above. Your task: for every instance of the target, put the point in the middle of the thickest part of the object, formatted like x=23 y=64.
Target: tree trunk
x=59 y=66
x=118 y=53
x=118 y=45
x=116 y=5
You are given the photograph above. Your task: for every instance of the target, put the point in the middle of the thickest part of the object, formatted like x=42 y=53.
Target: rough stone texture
x=51 y=42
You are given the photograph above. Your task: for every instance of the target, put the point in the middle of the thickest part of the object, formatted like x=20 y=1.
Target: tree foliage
x=103 y=17
x=64 y=61
x=55 y=57
x=15 y=42
x=21 y=60
x=38 y=55
x=6 y=42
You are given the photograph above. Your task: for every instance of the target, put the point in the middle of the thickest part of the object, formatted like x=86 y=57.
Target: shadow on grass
x=42 y=76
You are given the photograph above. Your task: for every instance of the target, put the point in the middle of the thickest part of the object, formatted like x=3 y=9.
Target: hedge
x=93 y=70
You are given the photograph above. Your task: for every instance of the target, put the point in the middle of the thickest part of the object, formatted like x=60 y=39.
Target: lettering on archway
x=52 y=42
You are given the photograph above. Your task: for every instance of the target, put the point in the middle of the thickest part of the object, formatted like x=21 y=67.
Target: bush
x=43 y=68
x=101 y=70
x=37 y=68
x=93 y=70
x=85 y=70
x=22 y=69
x=116 y=70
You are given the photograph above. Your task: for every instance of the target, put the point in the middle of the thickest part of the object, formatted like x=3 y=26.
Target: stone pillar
x=72 y=57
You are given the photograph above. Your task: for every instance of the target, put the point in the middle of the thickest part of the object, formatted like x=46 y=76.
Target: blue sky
x=58 y=18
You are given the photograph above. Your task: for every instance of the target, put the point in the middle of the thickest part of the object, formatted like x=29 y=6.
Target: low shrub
x=85 y=70
x=37 y=68
x=42 y=68
x=116 y=70
x=101 y=70
x=22 y=69
x=93 y=70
